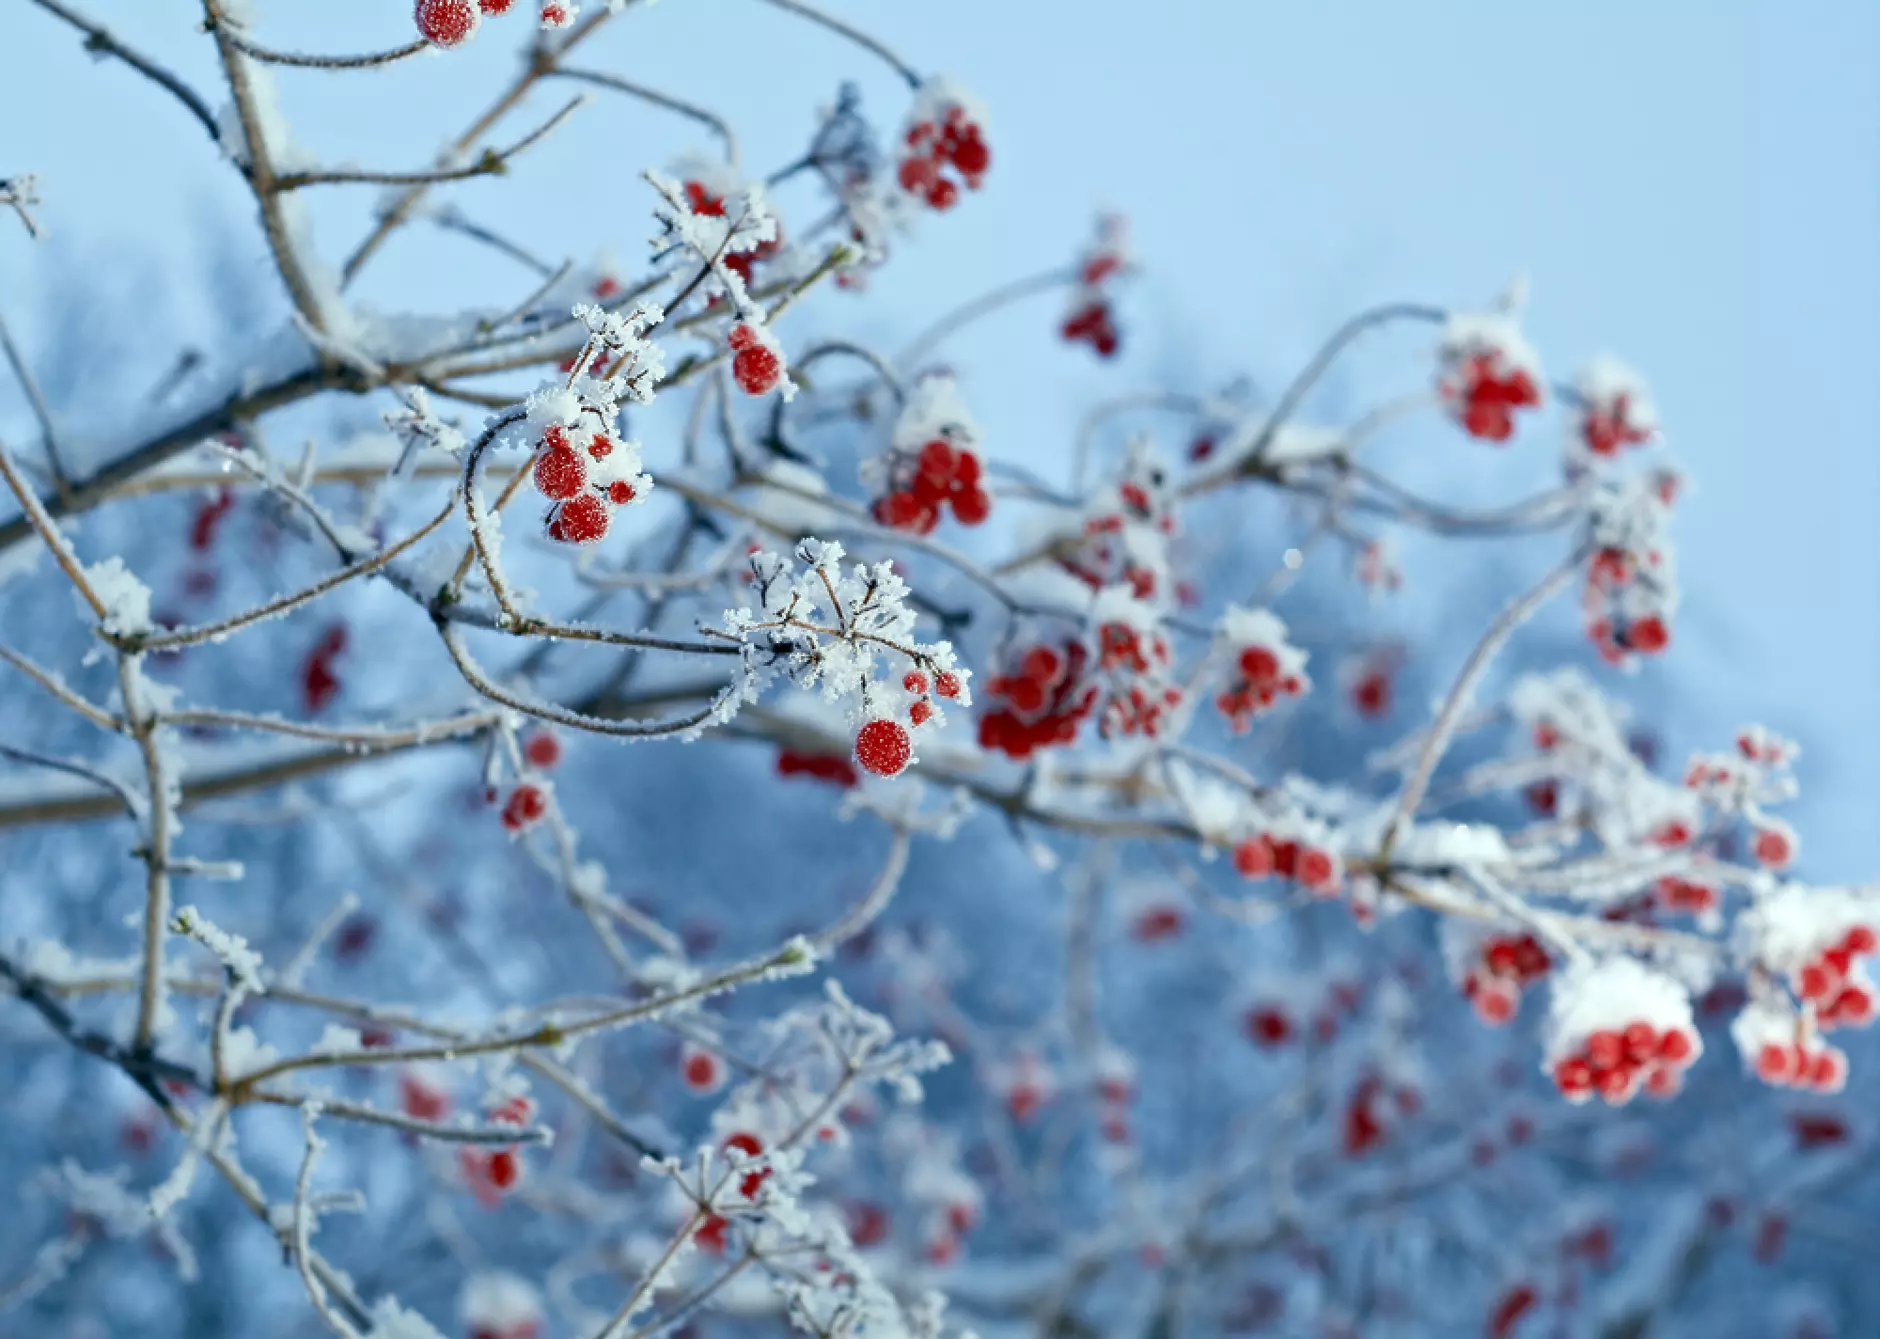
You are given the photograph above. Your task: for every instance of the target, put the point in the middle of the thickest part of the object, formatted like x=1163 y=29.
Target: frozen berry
x=447 y=23
x=525 y=807
x=582 y=519
x=883 y=747
x=542 y=749
x=947 y=685
x=560 y=474
x=920 y=713
x=756 y=369
x=620 y=492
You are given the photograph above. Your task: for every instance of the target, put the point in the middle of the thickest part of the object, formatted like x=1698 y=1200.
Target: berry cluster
x=756 y=358
x=1615 y=409
x=1806 y=1063
x=1046 y=700
x=1609 y=573
x=1269 y=855
x=947 y=137
x=1091 y=319
x=1837 y=984
x=492 y=1173
x=1505 y=966
x=836 y=770
x=924 y=483
x=1488 y=372
x=1615 y=1063
x=449 y=23
x=585 y=475
x=319 y=682
x=1267 y=667
x=883 y=746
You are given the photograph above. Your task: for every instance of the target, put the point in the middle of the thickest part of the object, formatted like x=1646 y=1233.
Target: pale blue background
x=1692 y=186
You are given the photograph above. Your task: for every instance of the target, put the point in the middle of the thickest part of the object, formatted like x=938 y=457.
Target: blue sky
x=1691 y=187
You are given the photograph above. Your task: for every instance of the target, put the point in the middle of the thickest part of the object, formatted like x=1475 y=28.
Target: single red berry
x=756 y=369
x=601 y=447
x=542 y=749
x=972 y=157
x=583 y=519
x=938 y=460
x=1316 y=868
x=947 y=685
x=1259 y=664
x=700 y=1071
x=883 y=747
x=1675 y=1046
x=620 y=492
x=921 y=712
x=504 y=1169
x=525 y=807
x=972 y=508
x=1605 y=1050
x=943 y=194
x=1253 y=858
x=494 y=7
x=914 y=681
x=1860 y=940
x=1648 y=636
x=711 y=1234
x=1773 y=848
x=560 y=474
x=447 y=23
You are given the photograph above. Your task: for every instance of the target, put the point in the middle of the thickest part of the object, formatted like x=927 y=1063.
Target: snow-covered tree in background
x=364 y=979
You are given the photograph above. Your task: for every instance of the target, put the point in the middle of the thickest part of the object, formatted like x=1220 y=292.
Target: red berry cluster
x=1258 y=687
x=1805 y=1063
x=1266 y=856
x=1614 y=636
x=1046 y=700
x=582 y=509
x=1507 y=965
x=1092 y=323
x=493 y=1173
x=1605 y=428
x=701 y=201
x=319 y=683
x=755 y=363
x=751 y=1147
x=449 y=23
x=1483 y=393
x=924 y=483
x=953 y=142
x=524 y=808
x=837 y=771
x=1616 y=1063
x=1836 y=986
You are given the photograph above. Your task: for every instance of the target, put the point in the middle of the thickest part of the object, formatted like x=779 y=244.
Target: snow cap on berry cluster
x=1471 y=334
x=939 y=95
x=1793 y=926
x=1240 y=628
x=1616 y=409
x=500 y=1303
x=1610 y=994
x=934 y=409
x=1572 y=710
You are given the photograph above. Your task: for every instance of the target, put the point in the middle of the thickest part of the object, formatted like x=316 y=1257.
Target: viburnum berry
x=620 y=492
x=524 y=808
x=920 y=713
x=557 y=15
x=1648 y=635
x=447 y=23
x=541 y=749
x=1268 y=1025
x=946 y=685
x=1774 y=847
x=319 y=683
x=701 y=1070
x=496 y=7
x=883 y=747
x=914 y=682
x=755 y=365
x=582 y=519
x=559 y=473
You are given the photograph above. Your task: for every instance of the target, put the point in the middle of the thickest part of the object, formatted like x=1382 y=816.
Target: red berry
x=493 y=7
x=582 y=519
x=700 y=1071
x=920 y=713
x=1605 y=1050
x=1253 y=858
x=1641 y=1041
x=947 y=685
x=938 y=460
x=756 y=369
x=914 y=681
x=560 y=474
x=943 y=194
x=972 y=508
x=1675 y=1046
x=620 y=492
x=1860 y=940
x=447 y=23
x=601 y=447
x=972 y=157
x=542 y=749
x=1574 y=1077
x=1268 y=1026
x=883 y=747
x=1259 y=664
x=504 y=1169
x=1648 y=636
x=1316 y=869
x=525 y=807
x=1773 y=848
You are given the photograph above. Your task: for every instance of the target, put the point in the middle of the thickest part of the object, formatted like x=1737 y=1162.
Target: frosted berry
x=620 y=492
x=542 y=749
x=1773 y=848
x=883 y=747
x=972 y=507
x=560 y=474
x=1648 y=636
x=601 y=447
x=756 y=369
x=947 y=685
x=920 y=713
x=701 y=1070
x=524 y=808
x=447 y=23
x=914 y=681
x=495 y=7
x=582 y=519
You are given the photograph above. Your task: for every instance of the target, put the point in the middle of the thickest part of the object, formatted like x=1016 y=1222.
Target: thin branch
x=39 y=520
x=717 y=124
x=49 y=681
x=268 y=56
x=99 y=41
x=38 y=402
x=984 y=305
x=492 y=162
x=854 y=35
